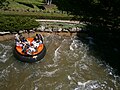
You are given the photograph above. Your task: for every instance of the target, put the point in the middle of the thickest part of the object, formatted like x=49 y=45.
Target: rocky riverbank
x=48 y=27
x=10 y=36
x=44 y=30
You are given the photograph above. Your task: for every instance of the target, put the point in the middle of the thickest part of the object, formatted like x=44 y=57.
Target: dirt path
x=64 y=21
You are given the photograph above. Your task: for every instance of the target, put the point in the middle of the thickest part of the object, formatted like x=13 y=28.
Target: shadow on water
x=104 y=43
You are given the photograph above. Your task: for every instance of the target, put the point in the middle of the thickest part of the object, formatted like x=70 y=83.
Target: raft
x=36 y=56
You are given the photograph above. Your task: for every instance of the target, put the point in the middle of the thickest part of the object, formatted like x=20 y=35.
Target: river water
x=67 y=65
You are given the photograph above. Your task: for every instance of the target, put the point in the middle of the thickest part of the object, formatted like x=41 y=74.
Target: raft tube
x=30 y=58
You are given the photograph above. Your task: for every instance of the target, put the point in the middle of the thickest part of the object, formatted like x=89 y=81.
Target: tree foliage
x=3 y=3
x=98 y=12
x=17 y=23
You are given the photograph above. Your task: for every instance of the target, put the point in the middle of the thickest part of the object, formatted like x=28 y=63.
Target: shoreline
x=32 y=34
x=44 y=30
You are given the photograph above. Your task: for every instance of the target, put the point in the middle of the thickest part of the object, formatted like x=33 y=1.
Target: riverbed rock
x=4 y=33
x=72 y=29
x=21 y=31
x=31 y=31
x=60 y=29
x=48 y=30
x=78 y=29
x=42 y=28
x=65 y=30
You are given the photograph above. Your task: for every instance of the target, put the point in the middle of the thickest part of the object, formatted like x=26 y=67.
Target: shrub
x=16 y=23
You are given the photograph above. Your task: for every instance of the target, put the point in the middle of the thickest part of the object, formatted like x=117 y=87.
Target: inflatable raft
x=38 y=55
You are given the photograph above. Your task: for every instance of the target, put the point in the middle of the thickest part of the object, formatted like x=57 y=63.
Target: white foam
x=49 y=73
x=5 y=54
x=57 y=54
x=88 y=85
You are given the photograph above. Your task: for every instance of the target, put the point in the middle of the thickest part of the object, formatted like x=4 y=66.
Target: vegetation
x=33 y=8
x=40 y=15
x=103 y=13
x=63 y=25
x=17 y=23
x=103 y=26
x=24 y=4
x=29 y=5
x=3 y=3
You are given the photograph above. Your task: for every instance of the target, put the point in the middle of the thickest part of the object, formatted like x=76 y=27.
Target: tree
x=3 y=3
x=17 y=23
x=98 y=12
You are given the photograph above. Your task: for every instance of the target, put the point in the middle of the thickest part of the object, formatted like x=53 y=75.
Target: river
x=67 y=65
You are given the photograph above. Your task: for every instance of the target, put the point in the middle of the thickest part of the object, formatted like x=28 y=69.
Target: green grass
x=30 y=8
x=60 y=25
x=20 y=4
x=29 y=5
x=41 y=15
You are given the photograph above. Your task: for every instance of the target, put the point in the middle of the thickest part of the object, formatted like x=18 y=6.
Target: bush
x=26 y=4
x=16 y=23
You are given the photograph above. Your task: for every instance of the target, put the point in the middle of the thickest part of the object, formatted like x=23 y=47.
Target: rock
x=48 y=30
x=60 y=29
x=78 y=29
x=73 y=29
x=14 y=32
x=4 y=33
x=38 y=29
x=65 y=30
x=32 y=31
x=21 y=31
x=42 y=28
x=55 y=30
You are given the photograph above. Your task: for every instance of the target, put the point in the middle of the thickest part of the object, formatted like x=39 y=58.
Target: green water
x=67 y=65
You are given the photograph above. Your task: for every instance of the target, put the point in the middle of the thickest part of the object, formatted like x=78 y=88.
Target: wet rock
x=48 y=30
x=4 y=33
x=31 y=31
x=60 y=29
x=55 y=30
x=73 y=29
x=78 y=29
x=38 y=29
x=14 y=32
x=42 y=28
x=65 y=30
x=21 y=31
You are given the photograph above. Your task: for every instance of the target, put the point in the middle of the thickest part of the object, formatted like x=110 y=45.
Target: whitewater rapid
x=67 y=65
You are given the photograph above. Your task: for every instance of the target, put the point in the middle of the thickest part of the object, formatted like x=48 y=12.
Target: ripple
x=6 y=52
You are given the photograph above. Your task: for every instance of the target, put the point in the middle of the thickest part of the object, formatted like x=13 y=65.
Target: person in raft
x=17 y=40
x=26 y=47
x=39 y=37
x=31 y=50
x=37 y=40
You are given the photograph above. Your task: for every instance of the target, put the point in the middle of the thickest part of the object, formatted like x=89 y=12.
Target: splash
x=5 y=52
x=88 y=85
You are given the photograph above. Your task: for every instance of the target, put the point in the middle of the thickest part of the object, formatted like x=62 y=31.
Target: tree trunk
x=48 y=2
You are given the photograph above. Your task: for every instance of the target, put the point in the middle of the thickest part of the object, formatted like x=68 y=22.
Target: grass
x=60 y=25
x=24 y=4
x=40 y=15
x=29 y=4
x=31 y=8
